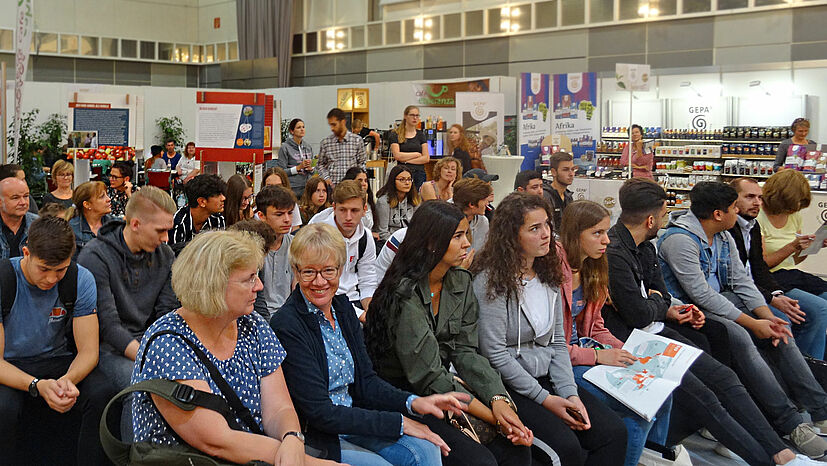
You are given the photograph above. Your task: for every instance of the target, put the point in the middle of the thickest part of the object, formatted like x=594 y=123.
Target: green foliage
x=285 y=131
x=53 y=134
x=30 y=150
x=171 y=128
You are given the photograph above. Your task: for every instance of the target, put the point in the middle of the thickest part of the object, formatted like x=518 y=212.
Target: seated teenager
x=425 y=319
x=358 y=279
x=37 y=366
x=582 y=251
x=120 y=187
x=700 y=265
x=205 y=204
x=471 y=195
x=93 y=209
x=529 y=181
x=275 y=176
x=517 y=282
x=132 y=265
x=710 y=392
x=349 y=412
x=216 y=279
x=395 y=202
x=785 y=194
x=314 y=199
x=806 y=312
x=275 y=207
x=369 y=219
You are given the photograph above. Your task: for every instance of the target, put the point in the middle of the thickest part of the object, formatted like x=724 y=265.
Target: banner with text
x=534 y=122
x=233 y=126
x=444 y=94
x=22 y=46
x=576 y=114
x=482 y=116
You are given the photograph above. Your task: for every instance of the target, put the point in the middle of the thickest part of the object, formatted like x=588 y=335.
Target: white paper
x=821 y=235
x=645 y=385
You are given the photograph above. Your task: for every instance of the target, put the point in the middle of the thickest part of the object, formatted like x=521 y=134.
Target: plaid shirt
x=336 y=157
x=183 y=231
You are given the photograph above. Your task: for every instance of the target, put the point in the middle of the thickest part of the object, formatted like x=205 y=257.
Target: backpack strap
x=8 y=287
x=67 y=288
x=232 y=399
x=363 y=244
x=182 y=396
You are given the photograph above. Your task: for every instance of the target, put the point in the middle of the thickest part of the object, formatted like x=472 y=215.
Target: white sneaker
x=653 y=458
x=801 y=460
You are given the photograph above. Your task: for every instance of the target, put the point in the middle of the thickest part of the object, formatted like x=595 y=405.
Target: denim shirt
x=83 y=232
x=5 y=251
x=340 y=365
x=720 y=256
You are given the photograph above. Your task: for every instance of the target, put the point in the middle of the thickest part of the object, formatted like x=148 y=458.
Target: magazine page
x=645 y=385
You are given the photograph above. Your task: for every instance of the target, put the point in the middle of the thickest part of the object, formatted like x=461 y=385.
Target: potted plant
x=29 y=153
x=171 y=128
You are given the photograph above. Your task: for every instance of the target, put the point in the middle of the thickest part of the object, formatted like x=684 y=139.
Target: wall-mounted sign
x=444 y=94
x=233 y=126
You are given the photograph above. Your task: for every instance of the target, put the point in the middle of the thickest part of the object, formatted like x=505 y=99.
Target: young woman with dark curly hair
x=517 y=281
x=424 y=317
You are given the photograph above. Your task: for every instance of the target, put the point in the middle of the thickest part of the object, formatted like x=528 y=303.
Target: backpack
x=67 y=291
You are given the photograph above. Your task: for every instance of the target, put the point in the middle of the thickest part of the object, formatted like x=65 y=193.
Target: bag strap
x=67 y=288
x=8 y=288
x=235 y=403
x=182 y=396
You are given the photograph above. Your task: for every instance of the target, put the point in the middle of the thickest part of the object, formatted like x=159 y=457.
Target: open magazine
x=645 y=385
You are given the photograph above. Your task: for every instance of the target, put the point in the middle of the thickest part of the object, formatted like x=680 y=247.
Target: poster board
x=233 y=126
x=577 y=114
x=534 y=121
x=482 y=116
x=113 y=119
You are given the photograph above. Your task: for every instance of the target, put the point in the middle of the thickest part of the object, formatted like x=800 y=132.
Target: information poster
x=111 y=124
x=534 y=120
x=481 y=114
x=233 y=126
x=576 y=114
x=103 y=129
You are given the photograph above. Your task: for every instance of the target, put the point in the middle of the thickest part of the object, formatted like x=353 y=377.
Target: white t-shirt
x=186 y=165
x=536 y=306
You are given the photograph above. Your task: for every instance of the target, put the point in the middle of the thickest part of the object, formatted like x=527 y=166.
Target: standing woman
x=239 y=198
x=314 y=199
x=295 y=157
x=446 y=171
x=92 y=211
x=582 y=250
x=459 y=147
x=423 y=318
x=801 y=128
x=409 y=146
x=369 y=219
x=517 y=280
x=395 y=202
x=63 y=174
x=642 y=156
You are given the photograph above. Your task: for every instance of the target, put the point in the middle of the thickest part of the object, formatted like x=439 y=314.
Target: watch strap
x=33 y=388
x=298 y=435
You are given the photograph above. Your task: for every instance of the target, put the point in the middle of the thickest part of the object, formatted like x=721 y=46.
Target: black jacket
x=558 y=204
x=629 y=266
x=759 y=269
x=376 y=404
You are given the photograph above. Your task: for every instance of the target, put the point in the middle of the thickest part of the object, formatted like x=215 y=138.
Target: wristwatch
x=33 y=388
x=298 y=435
x=777 y=293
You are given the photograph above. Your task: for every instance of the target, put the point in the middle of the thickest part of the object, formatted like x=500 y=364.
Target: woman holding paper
x=585 y=285
x=521 y=334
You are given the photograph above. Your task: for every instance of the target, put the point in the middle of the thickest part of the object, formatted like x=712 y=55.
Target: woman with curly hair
x=315 y=198
x=517 y=281
x=446 y=172
x=395 y=202
x=423 y=318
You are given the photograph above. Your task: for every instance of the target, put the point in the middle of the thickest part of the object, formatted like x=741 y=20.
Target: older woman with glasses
x=63 y=174
x=216 y=280
x=350 y=414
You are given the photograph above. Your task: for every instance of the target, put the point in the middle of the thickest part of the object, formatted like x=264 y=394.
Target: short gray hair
x=318 y=240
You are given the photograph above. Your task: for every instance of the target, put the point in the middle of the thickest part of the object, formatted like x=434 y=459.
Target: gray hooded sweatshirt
x=508 y=340
x=290 y=155
x=682 y=255
x=133 y=289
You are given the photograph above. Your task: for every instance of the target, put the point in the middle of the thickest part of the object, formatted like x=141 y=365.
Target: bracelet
x=503 y=398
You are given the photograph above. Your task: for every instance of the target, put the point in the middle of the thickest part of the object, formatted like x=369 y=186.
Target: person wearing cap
x=488 y=178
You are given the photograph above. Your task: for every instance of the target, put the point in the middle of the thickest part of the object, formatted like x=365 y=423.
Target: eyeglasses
x=414 y=115
x=249 y=198
x=404 y=180
x=251 y=282
x=66 y=175
x=328 y=273
x=117 y=177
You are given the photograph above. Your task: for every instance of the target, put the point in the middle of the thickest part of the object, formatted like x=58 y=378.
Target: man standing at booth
x=339 y=151
x=562 y=169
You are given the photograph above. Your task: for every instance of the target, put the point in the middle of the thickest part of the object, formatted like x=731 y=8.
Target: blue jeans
x=118 y=369
x=638 y=429
x=407 y=451
x=810 y=336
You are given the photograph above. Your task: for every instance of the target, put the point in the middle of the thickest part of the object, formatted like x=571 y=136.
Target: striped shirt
x=182 y=229
x=336 y=157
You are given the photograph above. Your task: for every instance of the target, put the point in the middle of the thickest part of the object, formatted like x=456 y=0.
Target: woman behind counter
x=801 y=128
x=409 y=146
x=296 y=157
x=642 y=156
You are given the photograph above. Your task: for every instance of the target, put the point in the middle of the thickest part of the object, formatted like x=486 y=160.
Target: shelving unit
x=356 y=104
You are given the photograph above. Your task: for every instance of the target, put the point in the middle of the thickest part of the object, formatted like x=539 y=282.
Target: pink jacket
x=589 y=321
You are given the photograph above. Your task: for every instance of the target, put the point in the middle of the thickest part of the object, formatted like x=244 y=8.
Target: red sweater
x=589 y=321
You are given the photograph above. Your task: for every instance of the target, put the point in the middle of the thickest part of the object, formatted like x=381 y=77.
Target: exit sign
x=216 y=23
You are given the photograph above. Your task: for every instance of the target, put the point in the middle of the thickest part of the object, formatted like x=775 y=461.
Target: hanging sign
x=24 y=26
x=630 y=77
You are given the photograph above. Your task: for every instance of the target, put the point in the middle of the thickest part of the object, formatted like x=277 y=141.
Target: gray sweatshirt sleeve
x=492 y=326
x=683 y=256
x=383 y=217
x=559 y=370
x=740 y=281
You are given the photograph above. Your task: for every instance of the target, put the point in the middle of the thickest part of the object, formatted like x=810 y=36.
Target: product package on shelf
x=756 y=133
x=688 y=151
x=800 y=158
x=743 y=167
x=759 y=149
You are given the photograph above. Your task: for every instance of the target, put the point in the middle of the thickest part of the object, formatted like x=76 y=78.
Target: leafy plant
x=29 y=154
x=285 y=130
x=52 y=136
x=171 y=128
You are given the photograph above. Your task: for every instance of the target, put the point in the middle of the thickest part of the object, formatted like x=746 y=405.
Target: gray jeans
x=118 y=370
x=755 y=373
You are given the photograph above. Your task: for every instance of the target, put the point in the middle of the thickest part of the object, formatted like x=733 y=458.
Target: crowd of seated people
x=404 y=332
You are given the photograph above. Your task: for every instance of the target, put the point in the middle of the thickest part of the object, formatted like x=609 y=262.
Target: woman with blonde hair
x=216 y=280
x=446 y=172
x=92 y=208
x=409 y=145
x=63 y=174
x=459 y=147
